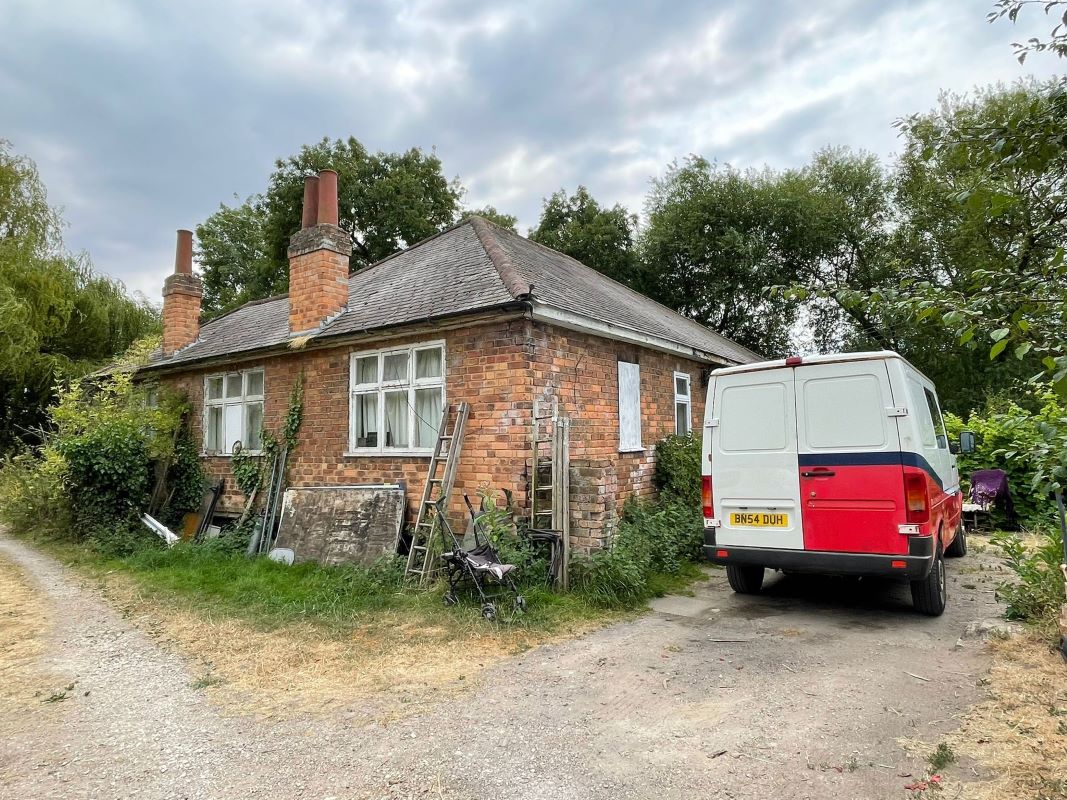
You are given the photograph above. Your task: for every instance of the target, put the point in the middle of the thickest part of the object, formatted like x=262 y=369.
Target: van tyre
x=958 y=548
x=745 y=578
x=931 y=593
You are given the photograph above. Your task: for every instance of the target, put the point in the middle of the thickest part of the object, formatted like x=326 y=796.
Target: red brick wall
x=318 y=288
x=498 y=368
x=485 y=365
x=582 y=372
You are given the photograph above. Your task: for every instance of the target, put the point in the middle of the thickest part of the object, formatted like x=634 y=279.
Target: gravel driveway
x=802 y=692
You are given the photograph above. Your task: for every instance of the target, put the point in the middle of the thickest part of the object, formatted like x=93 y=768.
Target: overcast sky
x=143 y=117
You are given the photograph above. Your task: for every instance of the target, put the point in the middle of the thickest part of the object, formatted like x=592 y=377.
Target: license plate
x=759 y=519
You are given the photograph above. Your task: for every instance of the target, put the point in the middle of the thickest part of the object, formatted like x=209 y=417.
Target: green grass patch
x=272 y=595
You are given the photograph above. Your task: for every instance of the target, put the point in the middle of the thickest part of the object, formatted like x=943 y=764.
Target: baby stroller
x=480 y=566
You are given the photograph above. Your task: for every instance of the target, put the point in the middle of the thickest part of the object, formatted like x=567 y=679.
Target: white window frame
x=686 y=398
x=631 y=443
x=243 y=400
x=381 y=386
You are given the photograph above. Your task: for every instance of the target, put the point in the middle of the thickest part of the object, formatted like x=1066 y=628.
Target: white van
x=836 y=464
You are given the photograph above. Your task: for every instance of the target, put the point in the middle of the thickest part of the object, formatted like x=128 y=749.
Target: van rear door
x=754 y=460
x=851 y=476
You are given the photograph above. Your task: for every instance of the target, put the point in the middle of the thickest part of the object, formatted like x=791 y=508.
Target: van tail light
x=915 y=496
x=706 y=498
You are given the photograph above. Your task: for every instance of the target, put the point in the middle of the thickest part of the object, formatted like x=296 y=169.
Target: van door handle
x=818 y=473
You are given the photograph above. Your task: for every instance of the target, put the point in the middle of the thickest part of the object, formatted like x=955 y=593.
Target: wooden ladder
x=439 y=482
x=550 y=477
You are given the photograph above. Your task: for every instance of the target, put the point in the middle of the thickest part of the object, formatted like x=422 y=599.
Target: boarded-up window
x=629 y=407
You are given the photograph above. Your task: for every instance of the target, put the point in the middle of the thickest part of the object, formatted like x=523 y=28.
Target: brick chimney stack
x=318 y=258
x=181 y=298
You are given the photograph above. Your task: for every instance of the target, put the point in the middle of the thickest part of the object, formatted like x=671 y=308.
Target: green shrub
x=108 y=471
x=677 y=475
x=1010 y=438
x=185 y=479
x=652 y=539
x=32 y=495
x=1037 y=592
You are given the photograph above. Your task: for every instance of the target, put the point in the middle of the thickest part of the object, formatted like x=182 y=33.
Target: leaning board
x=341 y=524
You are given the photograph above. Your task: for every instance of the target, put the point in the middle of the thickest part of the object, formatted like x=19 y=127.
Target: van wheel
x=745 y=578
x=958 y=548
x=931 y=593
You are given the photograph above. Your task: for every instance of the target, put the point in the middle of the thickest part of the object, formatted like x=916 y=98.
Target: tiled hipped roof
x=472 y=266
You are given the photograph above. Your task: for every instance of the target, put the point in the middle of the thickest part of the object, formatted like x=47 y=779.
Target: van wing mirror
x=967 y=441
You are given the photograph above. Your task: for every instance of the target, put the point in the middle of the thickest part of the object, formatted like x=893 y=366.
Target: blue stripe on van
x=887 y=457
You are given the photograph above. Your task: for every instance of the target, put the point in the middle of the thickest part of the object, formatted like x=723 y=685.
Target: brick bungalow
x=474 y=313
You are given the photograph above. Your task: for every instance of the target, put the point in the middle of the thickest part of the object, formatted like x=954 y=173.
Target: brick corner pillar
x=319 y=255
x=182 y=293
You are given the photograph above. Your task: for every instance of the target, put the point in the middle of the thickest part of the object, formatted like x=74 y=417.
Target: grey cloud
x=144 y=117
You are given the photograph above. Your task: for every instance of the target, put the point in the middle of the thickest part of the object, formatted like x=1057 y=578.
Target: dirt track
x=800 y=693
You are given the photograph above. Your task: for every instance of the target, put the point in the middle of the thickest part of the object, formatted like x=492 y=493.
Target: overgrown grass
x=273 y=595
x=1036 y=592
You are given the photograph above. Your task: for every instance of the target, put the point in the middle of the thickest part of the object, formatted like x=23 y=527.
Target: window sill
x=406 y=453
x=639 y=449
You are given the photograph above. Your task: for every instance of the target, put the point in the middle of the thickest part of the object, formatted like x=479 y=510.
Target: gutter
x=579 y=322
x=323 y=340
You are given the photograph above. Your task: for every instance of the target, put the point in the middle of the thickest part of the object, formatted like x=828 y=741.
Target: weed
x=207 y=680
x=852 y=764
x=942 y=756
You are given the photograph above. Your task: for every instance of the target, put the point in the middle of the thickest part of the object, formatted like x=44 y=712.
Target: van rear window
x=844 y=412
x=753 y=417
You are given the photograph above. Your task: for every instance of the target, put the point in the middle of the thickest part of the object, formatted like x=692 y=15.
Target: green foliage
x=677 y=475
x=715 y=238
x=600 y=237
x=32 y=495
x=231 y=245
x=108 y=471
x=185 y=477
x=93 y=475
x=982 y=179
x=652 y=540
x=1030 y=447
x=1056 y=43
x=505 y=221
x=247 y=472
x=386 y=201
x=58 y=318
x=1037 y=591
x=941 y=757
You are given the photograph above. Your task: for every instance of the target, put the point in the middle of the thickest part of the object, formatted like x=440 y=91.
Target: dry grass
x=1018 y=734
x=24 y=620
x=393 y=663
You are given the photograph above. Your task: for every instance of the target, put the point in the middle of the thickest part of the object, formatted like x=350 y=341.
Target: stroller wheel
x=489 y=611
x=450 y=599
x=520 y=603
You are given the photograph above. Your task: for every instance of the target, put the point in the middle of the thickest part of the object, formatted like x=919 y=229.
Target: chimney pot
x=327 y=204
x=183 y=253
x=311 y=202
